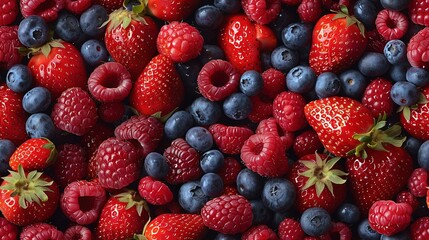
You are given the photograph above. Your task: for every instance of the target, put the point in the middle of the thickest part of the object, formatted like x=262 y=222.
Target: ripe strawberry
x=48 y=10
x=261 y=11
x=8 y=231
x=290 y=229
x=377 y=97
x=229 y=171
x=418 y=122
x=418 y=48
x=418 y=10
x=27 y=198
x=154 y=192
x=8 y=12
x=331 y=35
x=171 y=226
x=274 y=83
x=388 y=218
x=418 y=182
x=228 y=214
x=306 y=142
x=259 y=232
x=266 y=37
x=123 y=216
x=391 y=24
x=34 y=154
x=159 y=89
x=420 y=229
x=270 y=125
x=380 y=176
x=172 y=10
x=9 y=47
x=310 y=10
x=229 y=139
x=78 y=232
x=237 y=38
x=319 y=181
x=288 y=110
x=41 y=231
x=58 y=66
x=71 y=164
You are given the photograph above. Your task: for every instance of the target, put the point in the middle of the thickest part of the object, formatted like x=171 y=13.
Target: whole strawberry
x=34 y=154
x=171 y=226
x=417 y=122
x=388 y=218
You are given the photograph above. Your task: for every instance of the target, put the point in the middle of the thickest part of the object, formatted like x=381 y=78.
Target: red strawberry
x=377 y=97
x=57 y=67
x=306 y=142
x=418 y=10
x=417 y=123
x=259 y=232
x=310 y=10
x=288 y=110
x=266 y=37
x=41 y=231
x=159 y=89
x=229 y=171
x=170 y=226
x=270 y=125
x=48 y=10
x=27 y=198
x=418 y=48
x=289 y=229
x=420 y=229
x=8 y=12
x=9 y=47
x=8 y=231
x=71 y=164
x=172 y=10
x=229 y=139
x=391 y=24
x=34 y=154
x=154 y=192
x=388 y=218
x=228 y=214
x=261 y=11
x=78 y=232
x=331 y=35
x=418 y=182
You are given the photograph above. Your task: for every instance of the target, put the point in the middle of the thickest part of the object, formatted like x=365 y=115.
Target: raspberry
x=418 y=182
x=310 y=10
x=9 y=54
x=8 y=231
x=290 y=229
x=418 y=49
x=229 y=139
x=418 y=10
x=82 y=201
x=377 y=97
x=261 y=109
x=111 y=112
x=154 y=192
x=259 y=232
x=71 y=164
x=8 y=12
x=407 y=197
x=77 y=6
x=340 y=229
x=288 y=110
x=306 y=142
x=48 y=10
x=75 y=112
x=270 y=125
x=78 y=232
x=274 y=83
x=110 y=82
x=179 y=41
x=229 y=171
x=420 y=229
x=376 y=42
x=217 y=80
x=94 y=137
x=387 y=217
x=92 y=167
x=41 y=231
x=262 y=11
x=334 y=5
x=391 y=24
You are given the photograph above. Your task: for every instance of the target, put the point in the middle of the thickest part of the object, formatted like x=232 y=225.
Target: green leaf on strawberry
x=406 y=110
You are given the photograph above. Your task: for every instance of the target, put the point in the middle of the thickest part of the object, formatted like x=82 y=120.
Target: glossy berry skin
x=260 y=231
x=251 y=83
x=290 y=229
x=307 y=142
x=353 y=84
x=67 y=27
x=212 y=184
x=327 y=85
x=365 y=231
x=284 y=59
x=395 y=51
x=348 y=213
x=288 y=110
x=19 y=78
x=373 y=64
x=199 y=138
x=366 y=12
x=79 y=232
x=92 y=19
x=11 y=55
x=377 y=99
x=262 y=12
x=315 y=221
x=417 y=76
x=270 y=125
x=416 y=126
x=156 y=165
x=301 y=79
x=33 y=31
x=191 y=197
x=388 y=217
x=7 y=148
x=398 y=72
x=205 y=112
x=404 y=93
x=237 y=106
x=211 y=52
x=171 y=226
x=422 y=156
x=172 y=11
x=417 y=10
x=249 y=184
x=34 y=154
x=178 y=124
x=154 y=192
x=278 y=194
x=212 y=161
x=228 y=6
x=94 y=52
x=208 y=16
x=37 y=99
x=8 y=230
x=40 y=125
x=296 y=35
x=394 y=5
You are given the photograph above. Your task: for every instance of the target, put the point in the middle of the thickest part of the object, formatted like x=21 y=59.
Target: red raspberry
x=259 y=232
x=41 y=231
x=118 y=163
x=8 y=231
x=310 y=10
x=229 y=139
x=184 y=162
x=418 y=10
x=377 y=98
x=388 y=218
x=339 y=229
x=111 y=112
x=288 y=110
x=228 y=214
x=408 y=197
x=110 y=5
x=92 y=167
x=265 y=155
x=82 y=201
x=306 y=143
x=391 y=24
x=420 y=229
x=48 y=10
x=291 y=2
x=229 y=171
x=261 y=11
x=94 y=137
x=270 y=125
x=418 y=49
x=9 y=46
x=274 y=83
x=110 y=82
x=179 y=41
x=261 y=109
x=418 y=182
x=75 y=111
x=376 y=42
x=78 y=232
x=77 y=6
x=230 y=190
x=147 y=131
x=217 y=80
x=71 y=164
x=154 y=192
x=289 y=229
x=334 y=5
x=8 y=12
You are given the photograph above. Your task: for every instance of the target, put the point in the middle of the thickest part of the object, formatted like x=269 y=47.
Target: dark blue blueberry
x=205 y=112
x=228 y=6
x=211 y=184
x=191 y=197
x=395 y=51
x=373 y=64
x=348 y=213
x=265 y=59
x=366 y=12
x=417 y=76
x=156 y=165
x=94 y=52
x=423 y=155
x=278 y=194
x=199 y=138
x=261 y=213
x=189 y=73
x=404 y=235
x=67 y=27
x=36 y=100
x=6 y=150
x=296 y=35
x=19 y=78
x=284 y=59
x=92 y=19
x=251 y=82
x=178 y=124
x=286 y=16
x=237 y=106
x=366 y=232
x=327 y=85
x=249 y=184
x=211 y=52
x=353 y=83
x=221 y=236
x=398 y=72
x=301 y=79
x=208 y=16
x=315 y=221
x=412 y=145
x=394 y=5
x=40 y=125
x=212 y=161
x=33 y=31
x=131 y=4
x=404 y=93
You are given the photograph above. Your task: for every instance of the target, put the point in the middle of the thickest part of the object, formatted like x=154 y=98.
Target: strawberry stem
x=350 y=20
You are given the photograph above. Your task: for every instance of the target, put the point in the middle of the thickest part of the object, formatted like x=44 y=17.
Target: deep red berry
x=77 y=6
x=48 y=10
x=259 y=232
x=418 y=48
x=274 y=83
x=9 y=46
x=110 y=5
x=377 y=99
x=8 y=231
x=94 y=137
x=376 y=42
x=340 y=229
x=41 y=231
x=71 y=164
x=391 y=24
x=387 y=217
x=310 y=10
x=288 y=110
x=261 y=11
x=261 y=108
x=420 y=229
x=407 y=197
x=290 y=229
x=8 y=12
x=418 y=10
x=154 y=192
x=418 y=182
x=34 y=154
x=111 y=112
x=334 y=5
x=270 y=125
x=78 y=232
x=230 y=170
x=229 y=139
x=306 y=142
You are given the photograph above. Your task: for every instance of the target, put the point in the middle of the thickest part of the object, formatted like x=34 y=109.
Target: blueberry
x=222 y=236
x=36 y=100
x=191 y=197
x=404 y=235
x=366 y=232
x=261 y=213
x=199 y=138
x=205 y=112
x=178 y=124
x=94 y=52
x=394 y=5
x=249 y=184
x=228 y=6
x=208 y=16
x=315 y=221
x=212 y=161
x=156 y=165
x=395 y=51
x=92 y=19
x=423 y=155
x=211 y=52
x=286 y=16
x=6 y=150
x=412 y=145
x=348 y=213
x=373 y=64
x=278 y=194
x=327 y=85
x=366 y=12
x=251 y=82
x=67 y=27
x=284 y=59
x=33 y=31
x=398 y=72
x=211 y=184
x=353 y=83
x=404 y=93
x=296 y=35
x=417 y=76
x=40 y=125
x=265 y=58
x=19 y=78
x=237 y=106
x=301 y=79
x=189 y=73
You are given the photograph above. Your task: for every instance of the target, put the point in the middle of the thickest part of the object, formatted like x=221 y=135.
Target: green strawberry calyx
x=132 y=199
x=28 y=188
x=406 y=110
x=122 y=17
x=320 y=174
x=350 y=20
x=45 y=49
x=49 y=145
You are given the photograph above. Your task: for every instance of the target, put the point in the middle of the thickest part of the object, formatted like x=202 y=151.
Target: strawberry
x=288 y=110
x=420 y=229
x=172 y=10
x=159 y=89
x=266 y=37
x=388 y=218
x=229 y=139
x=377 y=97
x=416 y=122
x=154 y=192
x=418 y=10
x=8 y=12
x=9 y=47
x=169 y=226
x=331 y=35
x=34 y=154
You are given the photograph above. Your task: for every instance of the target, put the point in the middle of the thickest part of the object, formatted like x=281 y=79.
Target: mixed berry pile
x=214 y=119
